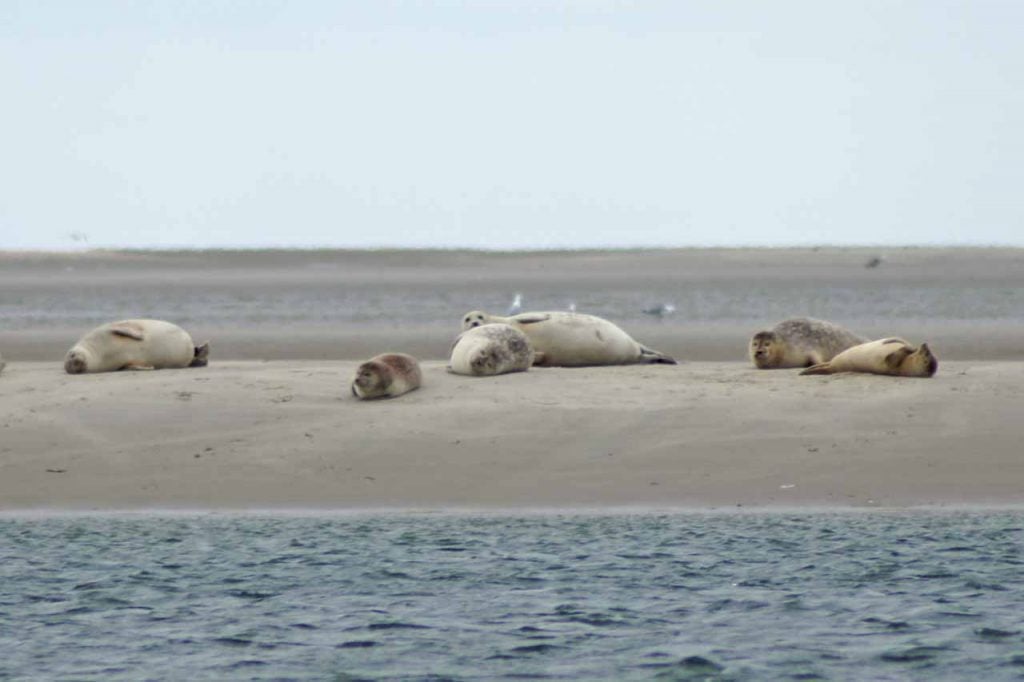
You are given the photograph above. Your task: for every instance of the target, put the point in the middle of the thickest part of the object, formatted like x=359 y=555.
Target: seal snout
x=74 y=363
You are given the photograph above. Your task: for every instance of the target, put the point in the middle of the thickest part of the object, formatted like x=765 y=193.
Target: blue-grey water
x=348 y=304
x=685 y=596
x=435 y=288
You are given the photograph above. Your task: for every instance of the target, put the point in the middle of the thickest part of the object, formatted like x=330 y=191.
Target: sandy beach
x=286 y=434
x=271 y=424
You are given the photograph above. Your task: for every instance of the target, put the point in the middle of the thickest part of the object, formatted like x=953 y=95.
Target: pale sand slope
x=288 y=434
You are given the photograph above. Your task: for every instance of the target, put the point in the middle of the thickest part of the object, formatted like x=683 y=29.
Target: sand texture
x=288 y=434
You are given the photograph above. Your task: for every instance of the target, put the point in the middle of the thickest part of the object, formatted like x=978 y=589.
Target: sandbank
x=288 y=435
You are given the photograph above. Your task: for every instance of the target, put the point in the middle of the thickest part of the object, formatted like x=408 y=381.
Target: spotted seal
x=491 y=349
x=800 y=342
x=569 y=339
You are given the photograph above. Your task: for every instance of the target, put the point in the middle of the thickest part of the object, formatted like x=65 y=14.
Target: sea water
x=585 y=596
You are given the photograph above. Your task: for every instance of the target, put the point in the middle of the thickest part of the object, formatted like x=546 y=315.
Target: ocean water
x=680 y=596
x=352 y=304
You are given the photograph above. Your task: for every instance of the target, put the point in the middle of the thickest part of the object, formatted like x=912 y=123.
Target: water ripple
x=623 y=597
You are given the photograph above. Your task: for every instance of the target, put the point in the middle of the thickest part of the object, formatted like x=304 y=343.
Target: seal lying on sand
x=386 y=376
x=491 y=349
x=800 y=342
x=885 y=356
x=135 y=344
x=573 y=339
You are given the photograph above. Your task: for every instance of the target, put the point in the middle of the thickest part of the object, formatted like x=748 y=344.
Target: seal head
x=76 y=361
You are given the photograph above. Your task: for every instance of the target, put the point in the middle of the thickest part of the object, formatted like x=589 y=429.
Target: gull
x=517 y=305
x=660 y=310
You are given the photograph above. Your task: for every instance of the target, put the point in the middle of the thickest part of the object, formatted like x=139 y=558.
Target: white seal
x=491 y=349
x=800 y=342
x=135 y=344
x=568 y=339
x=893 y=356
x=386 y=376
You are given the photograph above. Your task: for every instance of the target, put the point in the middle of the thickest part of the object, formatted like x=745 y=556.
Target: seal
x=800 y=342
x=135 y=344
x=491 y=349
x=386 y=376
x=568 y=339
x=893 y=356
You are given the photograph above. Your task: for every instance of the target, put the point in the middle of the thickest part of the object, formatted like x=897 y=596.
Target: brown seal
x=386 y=376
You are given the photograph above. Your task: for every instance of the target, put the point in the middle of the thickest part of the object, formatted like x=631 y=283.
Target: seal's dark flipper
x=653 y=357
x=202 y=356
x=127 y=330
x=894 y=359
x=823 y=368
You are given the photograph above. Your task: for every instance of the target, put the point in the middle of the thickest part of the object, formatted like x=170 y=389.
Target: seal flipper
x=894 y=359
x=821 y=368
x=127 y=330
x=653 y=357
x=201 y=357
x=531 y=318
x=138 y=366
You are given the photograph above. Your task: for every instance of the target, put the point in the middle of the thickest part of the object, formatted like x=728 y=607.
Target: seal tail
x=649 y=356
x=202 y=356
x=820 y=368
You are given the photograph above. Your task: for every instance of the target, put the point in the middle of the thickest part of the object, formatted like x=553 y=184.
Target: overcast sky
x=511 y=124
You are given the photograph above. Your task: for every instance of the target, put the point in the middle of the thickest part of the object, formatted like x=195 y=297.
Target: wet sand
x=197 y=290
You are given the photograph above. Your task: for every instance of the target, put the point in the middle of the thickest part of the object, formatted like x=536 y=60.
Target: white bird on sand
x=517 y=305
x=660 y=310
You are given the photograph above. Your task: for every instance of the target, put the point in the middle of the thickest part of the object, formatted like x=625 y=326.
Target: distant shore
x=47 y=300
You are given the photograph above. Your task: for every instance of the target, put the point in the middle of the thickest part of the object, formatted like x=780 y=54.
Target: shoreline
x=939 y=509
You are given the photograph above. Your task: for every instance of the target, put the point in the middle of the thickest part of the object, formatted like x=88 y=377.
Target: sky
x=510 y=124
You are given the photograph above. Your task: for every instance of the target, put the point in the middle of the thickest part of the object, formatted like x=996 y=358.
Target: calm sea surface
x=352 y=304
x=688 y=596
